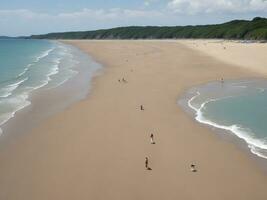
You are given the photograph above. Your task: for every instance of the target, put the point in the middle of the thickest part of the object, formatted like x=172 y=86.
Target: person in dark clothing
x=152 y=139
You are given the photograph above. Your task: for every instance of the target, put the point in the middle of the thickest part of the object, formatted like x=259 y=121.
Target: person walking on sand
x=124 y=80
x=146 y=163
x=152 y=139
x=193 y=168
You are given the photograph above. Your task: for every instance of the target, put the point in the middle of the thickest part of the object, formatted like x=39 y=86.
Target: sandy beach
x=245 y=54
x=96 y=148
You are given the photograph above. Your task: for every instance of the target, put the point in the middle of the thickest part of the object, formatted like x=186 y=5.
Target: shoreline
x=224 y=132
x=101 y=142
x=48 y=101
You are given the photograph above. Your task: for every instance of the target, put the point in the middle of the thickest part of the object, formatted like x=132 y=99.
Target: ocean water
x=30 y=65
x=239 y=107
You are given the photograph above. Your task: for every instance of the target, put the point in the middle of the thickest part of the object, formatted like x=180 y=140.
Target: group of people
x=151 y=141
x=192 y=166
x=146 y=159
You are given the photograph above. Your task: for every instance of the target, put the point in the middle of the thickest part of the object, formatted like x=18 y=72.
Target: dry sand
x=96 y=149
x=250 y=56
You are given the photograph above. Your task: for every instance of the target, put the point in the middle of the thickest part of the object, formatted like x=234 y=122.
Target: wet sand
x=96 y=148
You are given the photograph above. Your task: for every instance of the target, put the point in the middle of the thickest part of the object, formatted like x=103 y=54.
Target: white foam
x=44 y=54
x=19 y=102
x=64 y=52
x=38 y=58
x=53 y=71
x=254 y=144
x=7 y=91
x=72 y=74
x=25 y=70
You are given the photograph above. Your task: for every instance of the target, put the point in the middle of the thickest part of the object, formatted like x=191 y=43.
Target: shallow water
x=238 y=106
x=30 y=65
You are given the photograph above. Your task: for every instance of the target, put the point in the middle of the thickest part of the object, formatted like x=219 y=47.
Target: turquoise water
x=29 y=65
x=238 y=107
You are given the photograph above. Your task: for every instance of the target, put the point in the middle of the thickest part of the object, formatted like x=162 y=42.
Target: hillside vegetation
x=255 y=29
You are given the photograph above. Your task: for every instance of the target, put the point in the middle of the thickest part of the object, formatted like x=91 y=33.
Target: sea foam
x=257 y=146
x=14 y=95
